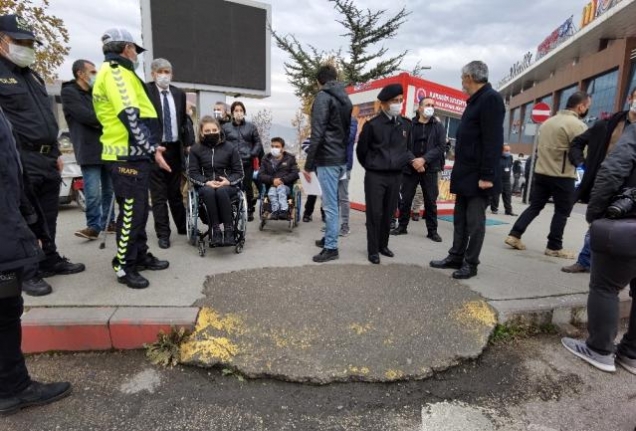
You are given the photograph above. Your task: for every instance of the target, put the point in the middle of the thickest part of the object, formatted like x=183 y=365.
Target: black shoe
x=307 y=218
x=273 y=215
x=326 y=255
x=466 y=271
x=511 y=214
x=134 y=280
x=283 y=214
x=250 y=215
x=36 y=394
x=182 y=232
x=384 y=251
x=374 y=259
x=217 y=238
x=60 y=265
x=321 y=243
x=164 y=243
x=447 y=262
x=494 y=211
x=228 y=238
x=400 y=230
x=152 y=263
x=434 y=237
x=36 y=287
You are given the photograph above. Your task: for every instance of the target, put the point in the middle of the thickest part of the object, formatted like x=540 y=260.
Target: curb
x=79 y=329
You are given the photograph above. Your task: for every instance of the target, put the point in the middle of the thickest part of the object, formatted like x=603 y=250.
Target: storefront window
x=565 y=95
x=506 y=125
x=527 y=119
x=515 y=127
x=603 y=92
x=631 y=86
x=549 y=101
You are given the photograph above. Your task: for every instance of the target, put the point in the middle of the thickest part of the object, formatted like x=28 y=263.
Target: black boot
x=228 y=237
x=400 y=230
x=321 y=242
x=36 y=287
x=134 y=280
x=217 y=237
x=466 y=271
x=448 y=262
x=59 y=265
x=152 y=263
x=326 y=255
x=36 y=394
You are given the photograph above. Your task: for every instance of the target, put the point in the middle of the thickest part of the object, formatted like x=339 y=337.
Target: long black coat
x=479 y=144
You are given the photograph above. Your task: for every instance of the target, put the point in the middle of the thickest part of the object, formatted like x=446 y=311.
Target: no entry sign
x=540 y=112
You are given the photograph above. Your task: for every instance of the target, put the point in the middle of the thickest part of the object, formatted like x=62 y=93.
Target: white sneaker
x=579 y=348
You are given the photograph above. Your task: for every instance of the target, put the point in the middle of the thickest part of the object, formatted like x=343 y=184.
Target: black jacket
x=245 y=138
x=82 y=123
x=330 y=126
x=210 y=163
x=596 y=139
x=286 y=170
x=505 y=166
x=616 y=172
x=18 y=246
x=479 y=144
x=428 y=141
x=517 y=169
x=383 y=145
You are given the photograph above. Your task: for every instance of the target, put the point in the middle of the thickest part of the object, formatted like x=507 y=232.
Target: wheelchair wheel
x=262 y=224
x=192 y=214
x=297 y=205
x=239 y=247
x=202 y=248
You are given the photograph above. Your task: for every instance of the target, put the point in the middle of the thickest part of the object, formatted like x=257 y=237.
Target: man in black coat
x=165 y=187
x=27 y=106
x=505 y=166
x=475 y=177
x=18 y=248
x=599 y=140
x=77 y=102
x=429 y=143
x=384 y=152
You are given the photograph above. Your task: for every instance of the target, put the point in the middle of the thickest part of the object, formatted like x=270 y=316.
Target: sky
x=444 y=35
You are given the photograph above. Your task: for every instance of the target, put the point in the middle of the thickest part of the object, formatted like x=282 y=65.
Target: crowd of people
x=135 y=141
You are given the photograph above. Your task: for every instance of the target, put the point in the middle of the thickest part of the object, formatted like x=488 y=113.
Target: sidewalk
x=518 y=284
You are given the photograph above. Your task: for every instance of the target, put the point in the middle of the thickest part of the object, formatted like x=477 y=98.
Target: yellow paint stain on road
x=209 y=342
x=362 y=370
x=213 y=349
x=210 y=318
x=360 y=329
x=393 y=374
x=476 y=312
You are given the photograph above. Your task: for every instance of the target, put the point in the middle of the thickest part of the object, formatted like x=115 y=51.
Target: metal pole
x=531 y=167
x=111 y=210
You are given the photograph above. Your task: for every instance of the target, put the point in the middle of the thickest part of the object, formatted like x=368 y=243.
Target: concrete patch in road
x=147 y=380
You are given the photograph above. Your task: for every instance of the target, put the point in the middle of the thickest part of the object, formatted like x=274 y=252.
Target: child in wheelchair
x=278 y=173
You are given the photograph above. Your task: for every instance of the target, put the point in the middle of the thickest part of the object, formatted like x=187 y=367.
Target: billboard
x=214 y=45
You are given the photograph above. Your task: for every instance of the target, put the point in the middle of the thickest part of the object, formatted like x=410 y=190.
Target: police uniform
x=27 y=106
x=383 y=152
x=129 y=137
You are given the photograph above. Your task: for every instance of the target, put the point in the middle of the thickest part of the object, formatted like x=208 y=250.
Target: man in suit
x=165 y=187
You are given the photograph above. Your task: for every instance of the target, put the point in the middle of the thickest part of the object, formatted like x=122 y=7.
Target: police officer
x=129 y=143
x=383 y=151
x=27 y=106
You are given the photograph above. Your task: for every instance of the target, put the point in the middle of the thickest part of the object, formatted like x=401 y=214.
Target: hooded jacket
x=244 y=136
x=210 y=163
x=85 y=129
x=286 y=169
x=330 y=127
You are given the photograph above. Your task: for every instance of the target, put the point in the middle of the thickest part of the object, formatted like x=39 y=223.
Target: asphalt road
x=525 y=385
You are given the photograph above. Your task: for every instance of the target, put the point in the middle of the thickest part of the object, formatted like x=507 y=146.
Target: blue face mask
x=506 y=153
x=91 y=81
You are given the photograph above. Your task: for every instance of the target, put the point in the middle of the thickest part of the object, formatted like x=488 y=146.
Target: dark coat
x=210 y=163
x=286 y=170
x=82 y=123
x=244 y=136
x=616 y=172
x=596 y=139
x=505 y=166
x=479 y=144
x=431 y=147
x=179 y=105
x=330 y=127
x=383 y=145
x=18 y=246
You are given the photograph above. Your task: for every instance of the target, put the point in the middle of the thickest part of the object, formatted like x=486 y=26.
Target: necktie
x=167 y=121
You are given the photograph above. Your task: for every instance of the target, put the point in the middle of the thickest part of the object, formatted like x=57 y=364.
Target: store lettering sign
x=556 y=38
x=596 y=8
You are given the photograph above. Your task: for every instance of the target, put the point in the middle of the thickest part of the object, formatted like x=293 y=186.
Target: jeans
x=544 y=187
x=343 y=198
x=98 y=190
x=469 y=223
x=278 y=198
x=585 y=256
x=329 y=178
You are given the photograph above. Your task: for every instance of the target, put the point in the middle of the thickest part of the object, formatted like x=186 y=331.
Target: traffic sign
x=540 y=112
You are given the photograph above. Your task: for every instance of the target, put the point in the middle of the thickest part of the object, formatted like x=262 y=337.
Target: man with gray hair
x=476 y=175
x=165 y=187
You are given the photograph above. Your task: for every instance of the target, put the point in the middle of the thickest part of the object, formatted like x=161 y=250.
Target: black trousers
x=165 y=190
x=310 y=205
x=543 y=188
x=218 y=204
x=506 y=193
x=130 y=184
x=381 y=191
x=248 y=172
x=430 y=191
x=14 y=376
x=469 y=223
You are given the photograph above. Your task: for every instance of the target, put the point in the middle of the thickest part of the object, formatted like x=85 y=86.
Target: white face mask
x=633 y=107
x=395 y=109
x=276 y=152
x=21 y=56
x=218 y=114
x=239 y=116
x=163 y=80
x=429 y=111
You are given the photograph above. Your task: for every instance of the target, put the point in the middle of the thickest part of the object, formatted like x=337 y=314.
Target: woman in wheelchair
x=278 y=173
x=216 y=171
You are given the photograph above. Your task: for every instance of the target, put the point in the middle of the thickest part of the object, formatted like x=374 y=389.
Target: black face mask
x=210 y=139
x=584 y=114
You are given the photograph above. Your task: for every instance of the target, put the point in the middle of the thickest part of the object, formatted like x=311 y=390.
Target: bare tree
x=302 y=127
x=263 y=122
x=48 y=29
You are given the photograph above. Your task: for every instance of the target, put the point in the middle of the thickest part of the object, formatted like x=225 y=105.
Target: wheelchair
x=294 y=201
x=198 y=230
